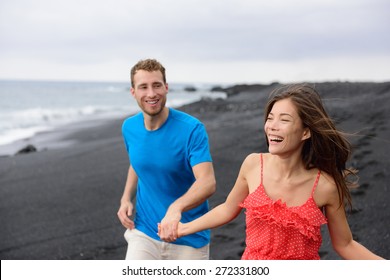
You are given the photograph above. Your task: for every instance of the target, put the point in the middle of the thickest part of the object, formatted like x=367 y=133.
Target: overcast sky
x=225 y=41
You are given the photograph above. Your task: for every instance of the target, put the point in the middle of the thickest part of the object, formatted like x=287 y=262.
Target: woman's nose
x=274 y=126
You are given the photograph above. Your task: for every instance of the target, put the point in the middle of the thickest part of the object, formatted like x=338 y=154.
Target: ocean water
x=31 y=107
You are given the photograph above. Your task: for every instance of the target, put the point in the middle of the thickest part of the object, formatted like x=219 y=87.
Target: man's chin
x=153 y=113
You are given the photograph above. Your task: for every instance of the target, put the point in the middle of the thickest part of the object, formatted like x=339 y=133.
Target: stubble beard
x=153 y=113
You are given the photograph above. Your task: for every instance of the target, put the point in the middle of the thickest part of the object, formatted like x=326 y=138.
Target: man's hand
x=124 y=212
x=167 y=229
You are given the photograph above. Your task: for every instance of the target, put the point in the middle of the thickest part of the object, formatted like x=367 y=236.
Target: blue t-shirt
x=163 y=161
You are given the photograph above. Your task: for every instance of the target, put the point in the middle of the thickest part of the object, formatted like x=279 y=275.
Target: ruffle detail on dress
x=278 y=213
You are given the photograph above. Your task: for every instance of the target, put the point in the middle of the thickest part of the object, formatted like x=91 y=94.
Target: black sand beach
x=62 y=203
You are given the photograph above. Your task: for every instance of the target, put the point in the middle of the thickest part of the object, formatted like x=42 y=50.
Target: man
x=171 y=172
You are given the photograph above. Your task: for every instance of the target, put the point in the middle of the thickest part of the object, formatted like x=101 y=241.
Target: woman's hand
x=179 y=233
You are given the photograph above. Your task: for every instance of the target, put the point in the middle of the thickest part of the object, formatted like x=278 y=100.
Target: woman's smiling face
x=284 y=128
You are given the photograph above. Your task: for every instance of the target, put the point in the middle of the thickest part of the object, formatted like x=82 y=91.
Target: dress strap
x=316 y=182
x=261 y=168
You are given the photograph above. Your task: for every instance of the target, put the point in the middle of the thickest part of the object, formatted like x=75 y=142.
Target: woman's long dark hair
x=327 y=149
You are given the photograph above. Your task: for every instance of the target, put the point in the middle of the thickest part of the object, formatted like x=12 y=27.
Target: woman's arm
x=340 y=233
x=224 y=212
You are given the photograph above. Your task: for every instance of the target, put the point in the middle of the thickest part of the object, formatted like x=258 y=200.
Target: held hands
x=124 y=212
x=168 y=228
x=179 y=231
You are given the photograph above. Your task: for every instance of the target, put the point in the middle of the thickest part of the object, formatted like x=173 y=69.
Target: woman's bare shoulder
x=252 y=157
x=326 y=191
x=251 y=160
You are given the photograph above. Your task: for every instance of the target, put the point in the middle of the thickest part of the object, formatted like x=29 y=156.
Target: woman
x=301 y=184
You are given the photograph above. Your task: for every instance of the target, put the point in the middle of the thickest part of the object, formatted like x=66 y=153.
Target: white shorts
x=142 y=247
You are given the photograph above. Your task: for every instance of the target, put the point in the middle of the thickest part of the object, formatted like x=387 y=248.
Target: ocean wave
x=21 y=124
x=32 y=107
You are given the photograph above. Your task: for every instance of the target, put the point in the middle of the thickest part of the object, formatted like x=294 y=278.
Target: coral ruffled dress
x=275 y=231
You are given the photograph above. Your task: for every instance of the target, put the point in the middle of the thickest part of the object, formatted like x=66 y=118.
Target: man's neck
x=155 y=122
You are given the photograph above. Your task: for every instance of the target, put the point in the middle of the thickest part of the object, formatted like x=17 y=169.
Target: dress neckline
x=279 y=201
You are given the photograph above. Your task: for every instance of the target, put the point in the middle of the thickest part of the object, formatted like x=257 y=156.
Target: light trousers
x=142 y=247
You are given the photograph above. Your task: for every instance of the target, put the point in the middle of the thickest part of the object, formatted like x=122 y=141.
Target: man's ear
x=132 y=91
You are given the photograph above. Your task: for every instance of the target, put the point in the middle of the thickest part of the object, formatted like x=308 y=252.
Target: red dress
x=275 y=231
